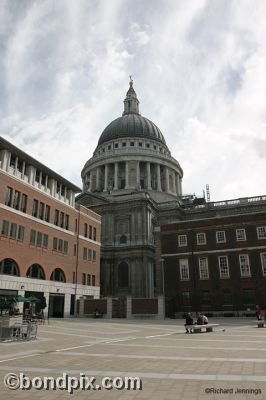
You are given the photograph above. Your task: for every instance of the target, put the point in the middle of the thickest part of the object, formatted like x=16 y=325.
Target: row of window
x=88 y=279
x=132 y=144
x=248 y=297
x=36 y=271
x=221 y=236
x=89 y=254
x=42 y=211
x=39 y=239
x=245 y=270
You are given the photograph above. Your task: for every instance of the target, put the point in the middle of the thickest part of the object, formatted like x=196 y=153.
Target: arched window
x=35 y=271
x=58 y=275
x=9 y=267
x=123 y=275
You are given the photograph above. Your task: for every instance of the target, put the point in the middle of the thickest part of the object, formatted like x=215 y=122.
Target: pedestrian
x=189 y=321
x=258 y=312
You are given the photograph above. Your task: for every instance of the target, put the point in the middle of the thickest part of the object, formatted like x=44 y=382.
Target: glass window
x=90 y=232
x=16 y=200
x=5 y=228
x=263 y=263
x=65 y=248
x=261 y=231
x=94 y=234
x=35 y=208
x=60 y=245
x=55 y=240
x=62 y=219
x=21 y=231
x=89 y=254
x=23 y=206
x=41 y=210
x=84 y=253
x=32 y=236
x=203 y=268
x=56 y=217
x=94 y=255
x=244 y=265
x=45 y=241
x=13 y=231
x=182 y=240
x=47 y=213
x=86 y=230
x=184 y=270
x=83 y=279
x=8 y=199
x=201 y=238
x=240 y=234
x=223 y=266
x=93 y=280
x=220 y=236
x=39 y=239
x=67 y=222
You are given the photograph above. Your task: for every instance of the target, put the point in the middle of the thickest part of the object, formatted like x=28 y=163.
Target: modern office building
x=48 y=246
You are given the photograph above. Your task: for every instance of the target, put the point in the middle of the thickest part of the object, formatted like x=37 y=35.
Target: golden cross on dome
x=131 y=80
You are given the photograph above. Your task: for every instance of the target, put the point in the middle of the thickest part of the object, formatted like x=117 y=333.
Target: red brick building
x=48 y=246
x=214 y=257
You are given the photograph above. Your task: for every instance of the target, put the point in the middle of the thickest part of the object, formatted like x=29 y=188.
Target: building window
x=88 y=279
x=201 y=238
x=84 y=253
x=39 y=239
x=65 y=247
x=205 y=297
x=93 y=280
x=263 y=263
x=248 y=297
x=94 y=234
x=5 y=228
x=32 y=236
x=9 y=267
x=261 y=231
x=21 y=231
x=16 y=200
x=58 y=275
x=240 y=234
x=132 y=144
x=203 y=268
x=8 y=199
x=224 y=267
x=86 y=230
x=35 y=208
x=67 y=222
x=93 y=255
x=45 y=241
x=244 y=265
x=90 y=232
x=56 y=217
x=24 y=200
x=73 y=277
x=220 y=236
x=186 y=298
x=83 y=279
x=47 y=213
x=182 y=240
x=35 y=271
x=227 y=297
x=89 y=254
x=13 y=231
x=140 y=144
x=62 y=219
x=55 y=240
x=184 y=270
x=147 y=145
x=41 y=210
x=60 y=245
x=124 y=144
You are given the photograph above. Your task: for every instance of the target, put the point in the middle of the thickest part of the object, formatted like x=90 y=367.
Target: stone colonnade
x=133 y=174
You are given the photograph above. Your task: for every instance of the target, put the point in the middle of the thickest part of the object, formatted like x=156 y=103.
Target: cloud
x=198 y=69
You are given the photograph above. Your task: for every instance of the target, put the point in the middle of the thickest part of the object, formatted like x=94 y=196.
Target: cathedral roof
x=131 y=124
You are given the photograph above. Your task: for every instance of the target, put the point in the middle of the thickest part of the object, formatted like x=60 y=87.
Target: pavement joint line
x=190 y=347
x=19 y=358
x=216 y=340
x=149 y=375
x=174 y=358
x=154 y=336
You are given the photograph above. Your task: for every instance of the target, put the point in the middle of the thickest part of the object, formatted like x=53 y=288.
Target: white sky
x=199 y=70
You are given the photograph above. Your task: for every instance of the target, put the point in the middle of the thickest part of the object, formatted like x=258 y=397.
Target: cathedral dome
x=131 y=124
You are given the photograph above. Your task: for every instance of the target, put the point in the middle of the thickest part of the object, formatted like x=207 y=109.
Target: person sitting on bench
x=189 y=321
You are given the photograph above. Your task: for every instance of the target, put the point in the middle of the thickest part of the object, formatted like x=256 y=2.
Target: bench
x=260 y=323
x=198 y=328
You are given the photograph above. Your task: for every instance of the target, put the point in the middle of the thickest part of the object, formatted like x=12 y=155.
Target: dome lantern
x=131 y=103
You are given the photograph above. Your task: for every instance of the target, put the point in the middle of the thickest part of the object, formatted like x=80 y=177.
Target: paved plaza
x=229 y=363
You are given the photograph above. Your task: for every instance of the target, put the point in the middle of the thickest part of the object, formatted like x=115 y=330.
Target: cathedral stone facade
x=133 y=182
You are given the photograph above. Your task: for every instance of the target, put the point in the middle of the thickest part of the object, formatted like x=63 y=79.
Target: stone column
x=129 y=307
x=106 y=178
x=126 y=175
x=166 y=180
x=116 y=176
x=174 y=182
x=148 y=164
x=138 y=175
x=159 y=186
x=97 y=178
